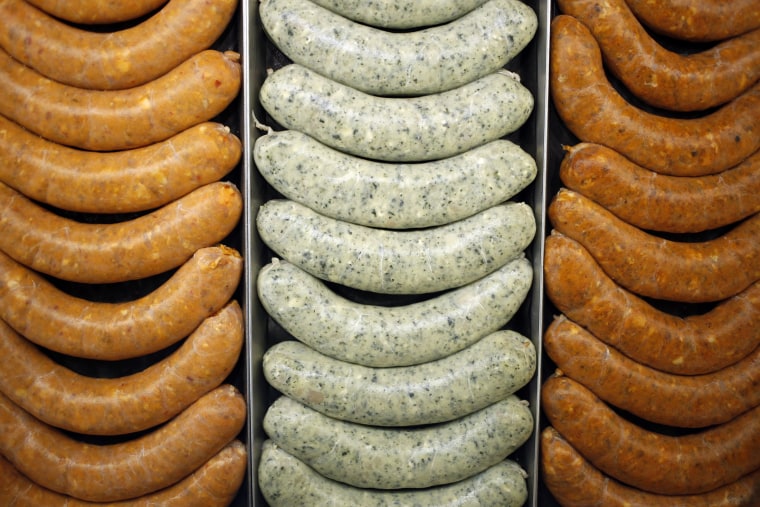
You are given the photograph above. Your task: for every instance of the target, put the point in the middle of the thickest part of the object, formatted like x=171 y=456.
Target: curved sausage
x=94 y=12
x=692 y=345
x=669 y=465
x=664 y=78
x=113 y=406
x=53 y=319
x=117 y=59
x=574 y=482
x=106 y=120
x=438 y=391
x=402 y=14
x=595 y=112
x=115 y=182
x=399 y=63
x=392 y=196
x=396 y=335
x=686 y=401
x=396 y=262
x=391 y=458
x=396 y=129
x=651 y=266
x=128 y=250
x=122 y=470
x=502 y=484
x=214 y=484
x=659 y=202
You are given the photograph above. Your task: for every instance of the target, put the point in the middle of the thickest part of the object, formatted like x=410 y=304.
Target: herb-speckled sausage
x=401 y=14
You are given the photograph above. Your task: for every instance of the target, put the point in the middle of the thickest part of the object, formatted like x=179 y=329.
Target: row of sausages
x=119 y=323
x=658 y=215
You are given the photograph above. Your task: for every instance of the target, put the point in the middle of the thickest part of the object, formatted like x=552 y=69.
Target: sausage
x=107 y=120
x=675 y=400
x=391 y=458
x=502 y=484
x=660 y=77
x=113 y=406
x=712 y=20
x=658 y=202
x=395 y=335
x=115 y=182
x=127 y=469
x=396 y=129
x=402 y=15
x=396 y=262
x=131 y=249
x=438 y=391
x=692 y=345
x=399 y=63
x=112 y=60
x=95 y=12
x=658 y=463
x=574 y=482
x=655 y=267
x=595 y=112
x=392 y=196
x=214 y=484
x=53 y=319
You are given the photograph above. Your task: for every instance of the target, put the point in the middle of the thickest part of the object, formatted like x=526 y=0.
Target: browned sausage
x=693 y=401
x=595 y=112
x=214 y=484
x=691 y=345
x=658 y=202
x=574 y=482
x=651 y=266
x=49 y=317
x=91 y=12
x=661 y=77
x=104 y=120
x=115 y=59
x=127 y=469
x=115 y=182
x=655 y=462
x=128 y=250
x=62 y=398
x=708 y=20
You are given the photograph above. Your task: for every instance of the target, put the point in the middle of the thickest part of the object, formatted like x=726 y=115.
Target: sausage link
x=438 y=391
x=676 y=400
x=659 y=202
x=128 y=250
x=574 y=482
x=122 y=470
x=668 y=465
x=663 y=78
x=116 y=59
x=502 y=484
x=115 y=182
x=691 y=345
x=651 y=266
x=396 y=129
x=402 y=14
x=53 y=319
x=391 y=458
x=214 y=484
x=106 y=120
x=97 y=12
x=595 y=112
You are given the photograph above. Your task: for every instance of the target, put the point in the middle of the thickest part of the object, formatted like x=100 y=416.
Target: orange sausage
x=651 y=266
x=595 y=112
x=664 y=78
x=53 y=319
x=214 y=484
x=691 y=345
x=97 y=11
x=127 y=469
x=105 y=120
x=574 y=482
x=128 y=250
x=658 y=463
x=117 y=59
x=658 y=202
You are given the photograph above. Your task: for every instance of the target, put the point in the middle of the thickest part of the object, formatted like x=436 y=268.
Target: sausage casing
x=402 y=14
x=95 y=12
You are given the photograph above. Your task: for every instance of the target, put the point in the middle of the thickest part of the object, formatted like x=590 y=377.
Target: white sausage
x=401 y=14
